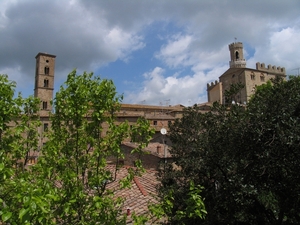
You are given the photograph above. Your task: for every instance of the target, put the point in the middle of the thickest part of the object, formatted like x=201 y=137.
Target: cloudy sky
x=156 y=52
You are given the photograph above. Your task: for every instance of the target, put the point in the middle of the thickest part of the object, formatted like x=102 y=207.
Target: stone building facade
x=158 y=116
x=239 y=73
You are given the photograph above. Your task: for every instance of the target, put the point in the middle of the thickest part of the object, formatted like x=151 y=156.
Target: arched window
x=46 y=70
x=46 y=83
x=237 y=55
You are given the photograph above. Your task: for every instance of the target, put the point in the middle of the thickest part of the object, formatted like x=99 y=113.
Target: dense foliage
x=246 y=158
x=68 y=185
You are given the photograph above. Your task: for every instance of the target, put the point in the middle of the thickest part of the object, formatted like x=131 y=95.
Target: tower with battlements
x=239 y=73
x=237 y=55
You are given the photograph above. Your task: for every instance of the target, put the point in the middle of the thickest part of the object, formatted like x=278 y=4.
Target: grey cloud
x=67 y=31
x=76 y=30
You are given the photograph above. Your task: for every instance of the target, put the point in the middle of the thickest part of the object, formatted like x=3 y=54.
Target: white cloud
x=186 y=90
x=176 y=52
x=122 y=42
x=282 y=50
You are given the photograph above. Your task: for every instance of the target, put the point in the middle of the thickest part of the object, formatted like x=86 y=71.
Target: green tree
x=8 y=111
x=247 y=159
x=273 y=156
x=76 y=154
x=68 y=185
x=18 y=137
x=232 y=92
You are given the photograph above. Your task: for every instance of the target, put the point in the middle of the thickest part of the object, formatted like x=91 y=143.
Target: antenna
x=167 y=102
x=162 y=105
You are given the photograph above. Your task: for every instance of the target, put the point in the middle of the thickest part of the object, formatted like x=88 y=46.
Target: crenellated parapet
x=212 y=85
x=235 y=45
x=270 y=68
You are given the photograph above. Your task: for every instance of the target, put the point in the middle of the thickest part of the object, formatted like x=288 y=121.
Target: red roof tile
x=141 y=192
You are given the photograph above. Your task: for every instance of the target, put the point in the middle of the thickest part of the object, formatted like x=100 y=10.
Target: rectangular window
x=46 y=83
x=31 y=160
x=154 y=122
x=46 y=70
x=252 y=77
x=44 y=105
x=46 y=126
x=262 y=78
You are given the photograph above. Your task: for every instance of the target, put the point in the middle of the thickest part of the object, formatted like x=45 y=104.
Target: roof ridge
x=140 y=186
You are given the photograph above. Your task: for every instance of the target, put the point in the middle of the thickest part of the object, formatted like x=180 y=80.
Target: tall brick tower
x=237 y=55
x=44 y=81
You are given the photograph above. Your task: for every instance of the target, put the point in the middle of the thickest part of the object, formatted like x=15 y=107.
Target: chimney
x=128 y=211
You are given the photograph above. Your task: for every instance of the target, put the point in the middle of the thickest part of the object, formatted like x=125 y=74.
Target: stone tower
x=237 y=55
x=44 y=81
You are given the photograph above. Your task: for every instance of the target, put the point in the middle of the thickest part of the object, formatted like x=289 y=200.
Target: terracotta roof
x=138 y=196
x=154 y=148
x=142 y=191
x=124 y=105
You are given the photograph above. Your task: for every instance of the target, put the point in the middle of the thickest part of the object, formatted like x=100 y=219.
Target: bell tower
x=237 y=55
x=44 y=81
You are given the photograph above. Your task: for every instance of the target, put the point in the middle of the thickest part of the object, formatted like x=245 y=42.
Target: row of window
x=262 y=78
x=155 y=122
x=252 y=76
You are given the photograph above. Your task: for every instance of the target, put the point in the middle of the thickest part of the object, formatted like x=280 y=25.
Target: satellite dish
x=163 y=131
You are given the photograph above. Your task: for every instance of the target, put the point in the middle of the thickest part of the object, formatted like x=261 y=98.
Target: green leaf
x=1 y=166
x=23 y=212
x=6 y=216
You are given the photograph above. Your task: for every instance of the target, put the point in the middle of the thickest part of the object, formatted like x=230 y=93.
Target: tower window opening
x=44 y=105
x=46 y=83
x=46 y=126
x=46 y=70
x=47 y=61
x=237 y=55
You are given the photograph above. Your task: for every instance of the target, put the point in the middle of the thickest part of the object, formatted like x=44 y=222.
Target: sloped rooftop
x=141 y=193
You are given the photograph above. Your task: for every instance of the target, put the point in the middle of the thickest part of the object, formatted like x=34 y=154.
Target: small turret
x=237 y=55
